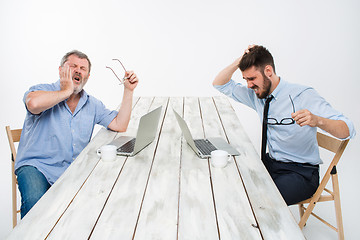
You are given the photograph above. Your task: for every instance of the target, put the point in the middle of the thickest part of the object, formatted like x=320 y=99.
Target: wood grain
x=165 y=191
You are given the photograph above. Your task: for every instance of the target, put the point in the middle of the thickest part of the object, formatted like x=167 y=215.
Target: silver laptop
x=204 y=147
x=148 y=125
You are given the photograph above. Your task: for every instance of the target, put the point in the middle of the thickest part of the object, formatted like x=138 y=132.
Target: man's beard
x=79 y=87
x=266 y=87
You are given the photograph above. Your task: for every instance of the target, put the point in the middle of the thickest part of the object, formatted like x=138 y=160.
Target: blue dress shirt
x=51 y=140
x=288 y=143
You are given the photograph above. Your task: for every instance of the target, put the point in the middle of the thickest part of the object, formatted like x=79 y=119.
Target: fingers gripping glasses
x=120 y=79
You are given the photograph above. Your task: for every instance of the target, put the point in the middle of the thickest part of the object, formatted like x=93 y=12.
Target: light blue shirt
x=288 y=143
x=51 y=140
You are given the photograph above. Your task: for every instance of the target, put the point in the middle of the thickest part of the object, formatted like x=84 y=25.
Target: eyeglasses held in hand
x=120 y=79
x=284 y=121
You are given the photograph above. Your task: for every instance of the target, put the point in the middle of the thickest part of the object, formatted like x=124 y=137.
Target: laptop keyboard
x=127 y=147
x=204 y=146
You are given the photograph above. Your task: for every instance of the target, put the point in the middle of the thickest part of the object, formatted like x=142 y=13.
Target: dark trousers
x=295 y=181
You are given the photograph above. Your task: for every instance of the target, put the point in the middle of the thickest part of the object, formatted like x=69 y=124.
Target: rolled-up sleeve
x=103 y=116
x=320 y=107
x=238 y=92
x=40 y=87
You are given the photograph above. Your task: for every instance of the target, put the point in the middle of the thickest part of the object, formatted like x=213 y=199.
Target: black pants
x=295 y=181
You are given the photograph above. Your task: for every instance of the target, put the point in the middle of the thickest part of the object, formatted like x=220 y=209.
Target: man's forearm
x=337 y=128
x=39 y=101
x=225 y=75
x=121 y=121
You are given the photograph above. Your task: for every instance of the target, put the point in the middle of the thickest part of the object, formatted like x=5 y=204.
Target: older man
x=59 y=123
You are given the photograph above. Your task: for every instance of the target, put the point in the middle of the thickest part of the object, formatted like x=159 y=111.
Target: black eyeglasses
x=124 y=78
x=284 y=121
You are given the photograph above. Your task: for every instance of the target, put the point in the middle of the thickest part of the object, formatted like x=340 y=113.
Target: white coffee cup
x=107 y=153
x=220 y=158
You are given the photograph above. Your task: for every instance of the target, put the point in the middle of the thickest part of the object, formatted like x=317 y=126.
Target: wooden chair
x=13 y=136
x=323 y=194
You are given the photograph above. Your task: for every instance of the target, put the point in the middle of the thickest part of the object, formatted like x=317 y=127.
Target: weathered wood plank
x=82 y=214
x=273 y=216
x=119 y=217
x=196 y=208
x=160 y=205
x=234 y=214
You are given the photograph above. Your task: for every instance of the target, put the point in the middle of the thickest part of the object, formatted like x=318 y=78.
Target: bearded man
x=59 y=123
x=291 y=114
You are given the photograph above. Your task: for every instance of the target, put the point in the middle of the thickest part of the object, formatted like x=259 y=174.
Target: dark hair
x=257 y=56
x=76 y=53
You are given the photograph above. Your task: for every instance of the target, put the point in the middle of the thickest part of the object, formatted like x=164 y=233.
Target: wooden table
x=165 y=191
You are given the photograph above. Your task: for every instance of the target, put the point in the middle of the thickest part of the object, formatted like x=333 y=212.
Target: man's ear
x=268 y=71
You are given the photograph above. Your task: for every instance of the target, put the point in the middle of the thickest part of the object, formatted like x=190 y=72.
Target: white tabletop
x=165 y=191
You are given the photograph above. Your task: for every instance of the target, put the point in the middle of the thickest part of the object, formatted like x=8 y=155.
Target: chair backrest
x=330 y=143
x=334 y=145
x=13 y=137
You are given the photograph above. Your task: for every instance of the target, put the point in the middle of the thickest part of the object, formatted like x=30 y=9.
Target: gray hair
x=78 y=54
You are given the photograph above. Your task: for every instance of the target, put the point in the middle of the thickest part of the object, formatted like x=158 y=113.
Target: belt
x=295 y=163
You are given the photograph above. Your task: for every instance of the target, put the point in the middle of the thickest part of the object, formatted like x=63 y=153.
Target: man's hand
x=39 y=101
x=121 y=121
x=131 y=80
x=225 y=75
x=66 y=82
x=305 y=117
x=337 y=128
x=248 y=49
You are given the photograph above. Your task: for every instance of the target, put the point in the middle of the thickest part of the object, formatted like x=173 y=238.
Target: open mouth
x=77 y=78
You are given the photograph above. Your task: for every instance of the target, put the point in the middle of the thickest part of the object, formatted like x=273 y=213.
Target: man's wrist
x=237 y=62
x=319 y=122
x=128 y=91
x=65 y=93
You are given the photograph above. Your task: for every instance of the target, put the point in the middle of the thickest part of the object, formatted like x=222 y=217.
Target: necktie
x=264 y=127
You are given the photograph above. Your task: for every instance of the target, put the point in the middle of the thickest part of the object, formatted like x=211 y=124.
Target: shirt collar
x=83 y=98
x=278 y=88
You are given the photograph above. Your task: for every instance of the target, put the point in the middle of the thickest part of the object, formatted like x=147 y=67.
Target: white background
x=177 y=48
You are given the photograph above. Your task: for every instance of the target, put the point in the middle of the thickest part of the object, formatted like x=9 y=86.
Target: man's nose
x=250 y=84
